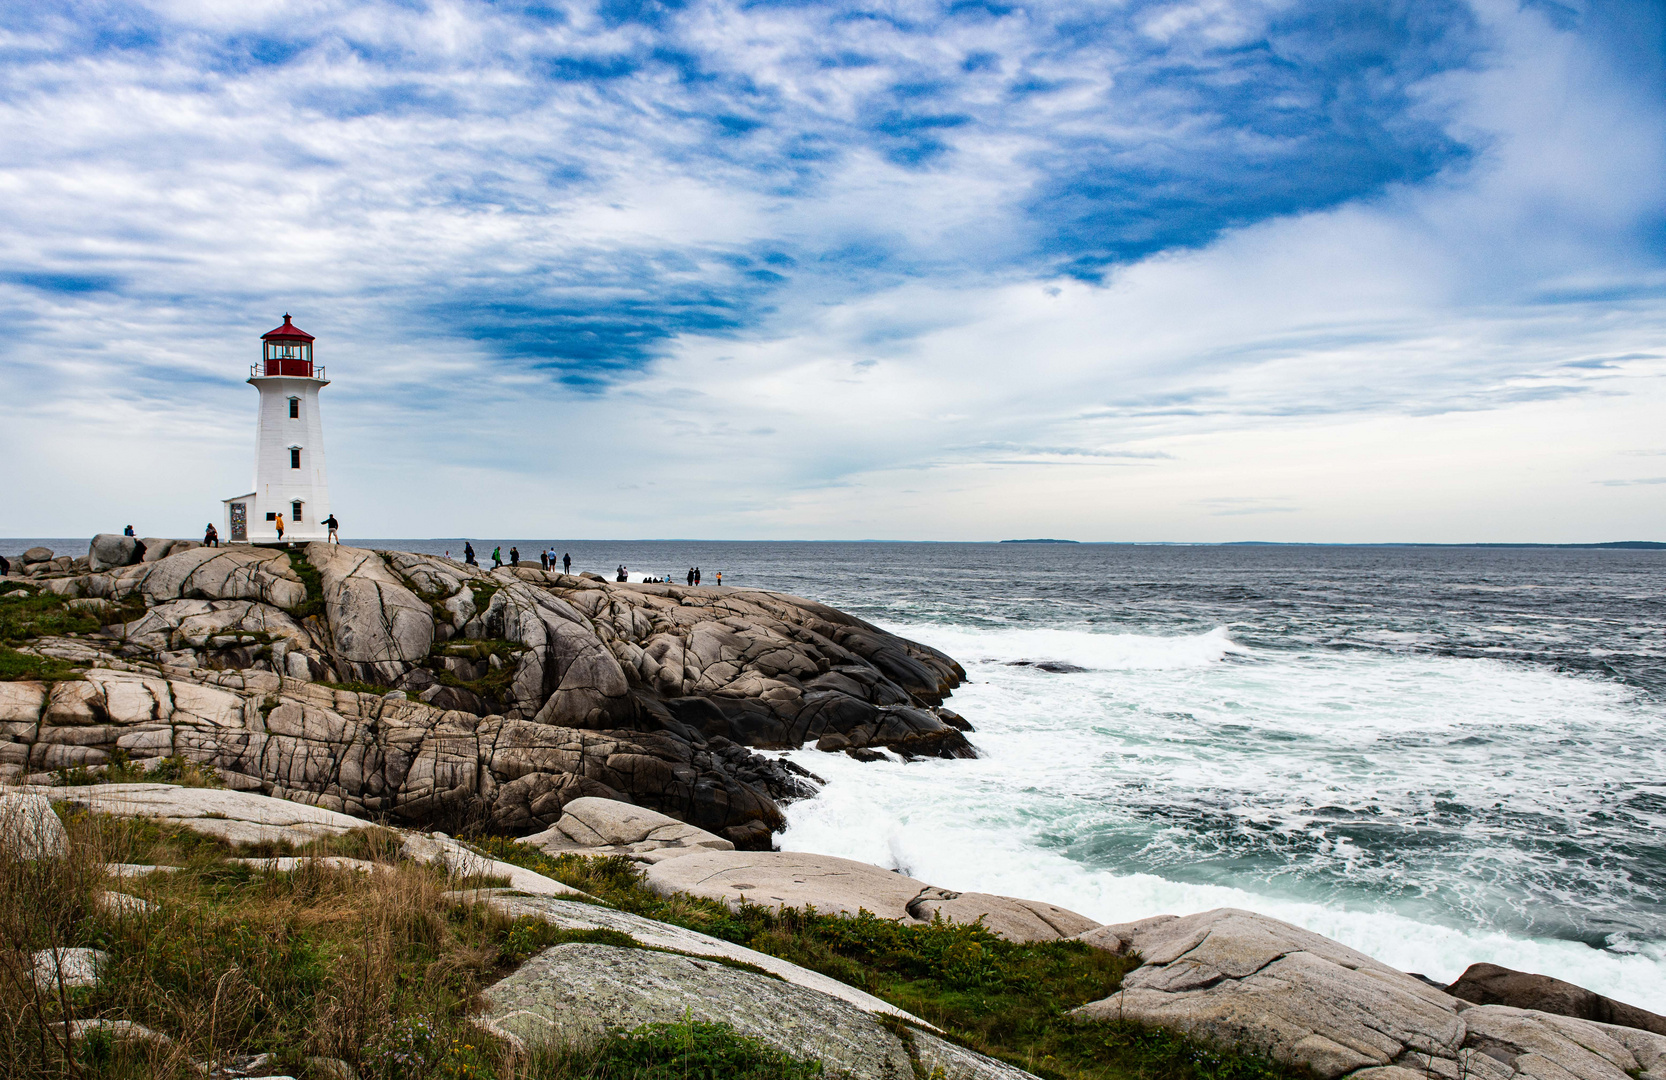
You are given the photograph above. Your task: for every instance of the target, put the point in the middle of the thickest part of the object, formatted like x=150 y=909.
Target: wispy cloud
x=813 y=248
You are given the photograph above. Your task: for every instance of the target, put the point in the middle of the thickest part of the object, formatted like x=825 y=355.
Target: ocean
x=1435 y=755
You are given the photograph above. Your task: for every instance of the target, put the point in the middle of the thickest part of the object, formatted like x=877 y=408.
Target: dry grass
x=376 y=969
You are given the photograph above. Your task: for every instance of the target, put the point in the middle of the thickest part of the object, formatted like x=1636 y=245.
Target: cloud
x=908 y=255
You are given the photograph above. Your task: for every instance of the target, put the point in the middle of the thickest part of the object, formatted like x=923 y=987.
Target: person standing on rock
x=544 y=560
x=278 y=520
x=514 y=556
x=567 y=563
x=696 y=575
x=333 y=524
x=211 y=536
x=468 y=554
x=691 y=577
x=720 y=579
x=497 y=556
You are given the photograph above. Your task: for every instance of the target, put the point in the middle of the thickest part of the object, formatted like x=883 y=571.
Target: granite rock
x=609 y=827
x=783 y=879
x=28 y=827
x=1489 y=984
x=111 y=550
x=579 y=991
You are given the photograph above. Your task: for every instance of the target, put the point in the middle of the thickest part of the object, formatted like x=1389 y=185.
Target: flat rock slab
x=610 y=827
x=124 y=906
x=581 y=991
x=69 y=968
x=1253 y=983
x=572 y=915
x=240 y=817
x=1006 y=916
x=782 y=879
x=462 y=861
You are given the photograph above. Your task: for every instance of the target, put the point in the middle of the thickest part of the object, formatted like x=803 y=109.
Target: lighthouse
x=289 y=445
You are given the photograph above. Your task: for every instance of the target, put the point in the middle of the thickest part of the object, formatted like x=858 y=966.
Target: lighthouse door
x=240 y=521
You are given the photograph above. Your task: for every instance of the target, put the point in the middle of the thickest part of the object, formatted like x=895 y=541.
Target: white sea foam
x=1430 y=811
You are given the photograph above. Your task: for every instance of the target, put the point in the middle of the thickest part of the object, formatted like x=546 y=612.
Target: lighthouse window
x=294 y=408
x=294 y=457
x=295 y=511
x=273 y=516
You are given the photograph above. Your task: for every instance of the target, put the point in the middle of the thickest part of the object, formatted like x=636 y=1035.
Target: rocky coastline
x=432 y=692
x=324 y=688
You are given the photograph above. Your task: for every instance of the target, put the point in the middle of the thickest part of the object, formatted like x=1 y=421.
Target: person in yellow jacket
x=279 y=520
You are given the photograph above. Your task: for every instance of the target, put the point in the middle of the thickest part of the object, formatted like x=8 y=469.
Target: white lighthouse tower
x=289 y=445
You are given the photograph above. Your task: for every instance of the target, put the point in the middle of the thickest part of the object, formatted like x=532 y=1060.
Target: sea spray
x=1431 y=811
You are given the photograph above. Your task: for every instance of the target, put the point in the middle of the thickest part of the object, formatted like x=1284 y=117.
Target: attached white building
x=289 y=446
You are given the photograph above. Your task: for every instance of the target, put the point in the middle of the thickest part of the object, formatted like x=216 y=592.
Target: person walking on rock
x=468 y=554
x=333 y=524
x=278 y=520
x=211 y=536
x=497 y=556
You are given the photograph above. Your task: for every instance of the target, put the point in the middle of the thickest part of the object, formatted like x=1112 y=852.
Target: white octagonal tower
x=289 y=445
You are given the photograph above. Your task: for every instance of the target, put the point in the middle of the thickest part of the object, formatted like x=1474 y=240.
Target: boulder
x=572 y=915
x=228 y=573
x=1249 y=981
x=1489 y=984
x=28 y=827
x=111 y=550
x=154 y=548
x=581 y=991
x=610 y=827
x=36 y=555
x=378 y=628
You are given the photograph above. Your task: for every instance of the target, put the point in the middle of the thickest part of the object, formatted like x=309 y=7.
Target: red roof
x=287 y=332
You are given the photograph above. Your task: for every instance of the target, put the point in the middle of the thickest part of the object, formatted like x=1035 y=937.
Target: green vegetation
x=358 y=687
x=122 y=770
x=686 y=1051
x=483 y=592
x=314 y=603
x=26 y=614
x=494 y=685
x=1004 y=999
x=15 y=665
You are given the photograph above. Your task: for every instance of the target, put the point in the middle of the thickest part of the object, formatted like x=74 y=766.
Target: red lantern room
x=287 y=351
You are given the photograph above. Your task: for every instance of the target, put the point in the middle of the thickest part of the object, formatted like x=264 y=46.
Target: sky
x=1218 y=270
